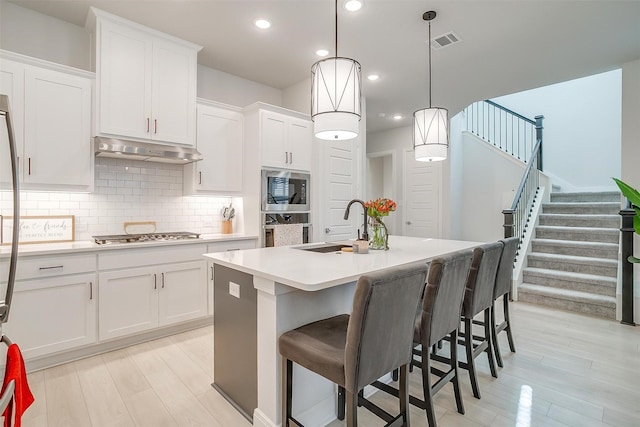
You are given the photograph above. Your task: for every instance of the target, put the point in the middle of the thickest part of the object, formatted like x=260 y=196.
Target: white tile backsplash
x=127 y=190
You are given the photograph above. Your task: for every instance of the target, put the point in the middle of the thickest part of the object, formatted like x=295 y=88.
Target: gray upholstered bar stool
x=502 y=288
x=478 y=298
x=354 y=351
x=438 y=317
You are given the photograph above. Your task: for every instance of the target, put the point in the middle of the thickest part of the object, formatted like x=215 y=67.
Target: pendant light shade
x=335 y=98
x=431 y=134
x=335 y=95
x=430 y=125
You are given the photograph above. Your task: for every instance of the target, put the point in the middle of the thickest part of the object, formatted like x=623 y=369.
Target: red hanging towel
x=22 y=397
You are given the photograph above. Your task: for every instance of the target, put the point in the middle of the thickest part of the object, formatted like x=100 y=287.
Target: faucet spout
x=365 y=233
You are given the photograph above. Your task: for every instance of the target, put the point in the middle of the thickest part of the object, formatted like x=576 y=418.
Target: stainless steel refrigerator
x=10 y=211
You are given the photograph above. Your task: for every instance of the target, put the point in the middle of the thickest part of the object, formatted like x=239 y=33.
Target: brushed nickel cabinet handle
x=29 y=165
x=53 y=267
x=147 y=124
x=162 y=280
x=155 y=281
x=155 y=126
x=90 y=291
x=212 y=273
x=290 y=158
x=286 y=157
x=200 y=177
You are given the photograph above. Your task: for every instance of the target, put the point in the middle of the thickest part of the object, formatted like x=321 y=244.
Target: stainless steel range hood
x=147 y=151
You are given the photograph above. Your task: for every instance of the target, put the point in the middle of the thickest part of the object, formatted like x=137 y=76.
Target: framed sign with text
x=39 y=229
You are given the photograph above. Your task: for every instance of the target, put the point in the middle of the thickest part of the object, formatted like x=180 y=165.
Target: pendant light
x=430 y=125
x=335 y=95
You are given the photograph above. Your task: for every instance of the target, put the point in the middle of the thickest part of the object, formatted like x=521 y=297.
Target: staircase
x=573 y=264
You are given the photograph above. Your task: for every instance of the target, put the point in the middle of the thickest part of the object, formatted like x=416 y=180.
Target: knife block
x=227 y=227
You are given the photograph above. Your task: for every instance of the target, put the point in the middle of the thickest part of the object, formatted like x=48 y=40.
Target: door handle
x=408 y=222
x=327 y=230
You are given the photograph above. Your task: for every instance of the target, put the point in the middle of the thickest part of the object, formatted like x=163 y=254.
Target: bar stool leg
x=454 y=366
x=404 y=396
x=487 y=337
x=468 y=345
x=341 y=403
x=512 y=347
x=494 y=336
x=352 y=409
x=287 y=381
x=426 y=386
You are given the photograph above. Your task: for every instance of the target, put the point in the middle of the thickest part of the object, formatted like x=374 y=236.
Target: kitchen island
x=291 y=287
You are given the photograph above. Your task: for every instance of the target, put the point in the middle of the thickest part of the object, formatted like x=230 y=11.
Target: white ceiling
x=507 y=46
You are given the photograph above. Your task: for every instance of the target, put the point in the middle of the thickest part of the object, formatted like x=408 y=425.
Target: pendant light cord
x=429 y=47
x=336 y=9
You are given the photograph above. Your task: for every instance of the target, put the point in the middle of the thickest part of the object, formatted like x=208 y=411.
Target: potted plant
x=634 y=197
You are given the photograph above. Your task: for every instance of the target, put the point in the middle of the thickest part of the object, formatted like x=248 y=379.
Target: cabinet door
x=183 y=292
x=273 y=138
x=299 y=142
x=173 y=94
x=12 y=85
x=124 y=76
x=51 y=315
x=57 y=148
x=220 y=140
x=128 y=301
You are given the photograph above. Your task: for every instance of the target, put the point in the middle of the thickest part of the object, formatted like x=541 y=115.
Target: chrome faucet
x=365 y=233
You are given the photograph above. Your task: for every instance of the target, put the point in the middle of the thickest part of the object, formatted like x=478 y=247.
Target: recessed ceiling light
x=373 y=77
x=397 y=116
x=322 y=52
x=353 y=5
x=263 y=24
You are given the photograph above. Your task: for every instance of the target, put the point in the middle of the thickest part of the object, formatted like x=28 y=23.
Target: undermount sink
x=328 y=247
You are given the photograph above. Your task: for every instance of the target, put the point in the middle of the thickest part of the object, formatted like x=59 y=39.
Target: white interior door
x=341 y=166
x=423 y=197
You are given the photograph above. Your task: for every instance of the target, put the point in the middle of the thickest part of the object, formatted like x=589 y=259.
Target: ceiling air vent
x=444 y=40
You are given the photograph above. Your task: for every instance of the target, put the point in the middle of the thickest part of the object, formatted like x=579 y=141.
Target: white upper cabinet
x=285 y=141
x=51 y=111
x=220 y=140
x=146 y=82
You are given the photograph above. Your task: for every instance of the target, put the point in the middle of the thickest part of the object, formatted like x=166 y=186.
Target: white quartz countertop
x=89 y=245
x=312 y=271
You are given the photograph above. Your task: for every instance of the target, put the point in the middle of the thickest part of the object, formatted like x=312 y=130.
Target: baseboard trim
x=48 y=361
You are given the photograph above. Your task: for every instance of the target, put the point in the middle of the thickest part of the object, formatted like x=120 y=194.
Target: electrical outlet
x=234 y=289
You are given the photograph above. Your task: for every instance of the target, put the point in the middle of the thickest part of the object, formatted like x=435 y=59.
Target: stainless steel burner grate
x=146 y=237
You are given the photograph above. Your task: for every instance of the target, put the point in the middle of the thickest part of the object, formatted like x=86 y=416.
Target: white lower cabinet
x=53 y=314
x=137 y=299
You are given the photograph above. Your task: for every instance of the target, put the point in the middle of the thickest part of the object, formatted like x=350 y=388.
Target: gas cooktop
x=146 y=237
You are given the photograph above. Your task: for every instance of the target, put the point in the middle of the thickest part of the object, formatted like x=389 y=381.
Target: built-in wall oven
x=285 y=200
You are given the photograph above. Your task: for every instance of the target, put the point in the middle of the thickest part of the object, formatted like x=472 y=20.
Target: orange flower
x=380 y=207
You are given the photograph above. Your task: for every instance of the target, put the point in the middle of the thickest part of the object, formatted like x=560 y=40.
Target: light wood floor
x=569 y=370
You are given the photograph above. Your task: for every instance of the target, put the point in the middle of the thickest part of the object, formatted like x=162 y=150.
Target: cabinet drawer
x=131 y=258
x=36 y=267
x=232 y=245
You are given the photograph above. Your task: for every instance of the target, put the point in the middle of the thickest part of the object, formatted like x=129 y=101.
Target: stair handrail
x=516 y=218
x=507 y=130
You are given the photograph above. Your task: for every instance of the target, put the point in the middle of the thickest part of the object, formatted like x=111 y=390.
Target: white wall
x=631 y=149
x=34 y=34
x=233 y=90
x=298 y=97
x=582 y=129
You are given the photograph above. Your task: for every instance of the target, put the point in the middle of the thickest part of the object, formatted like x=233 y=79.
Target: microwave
x=285 y=191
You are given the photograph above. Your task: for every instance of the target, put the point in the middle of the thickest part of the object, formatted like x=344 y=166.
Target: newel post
x=626 y=249
x=539 y=129
x=509 y=225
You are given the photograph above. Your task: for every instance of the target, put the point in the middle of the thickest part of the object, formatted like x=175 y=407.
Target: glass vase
x=378 y=236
